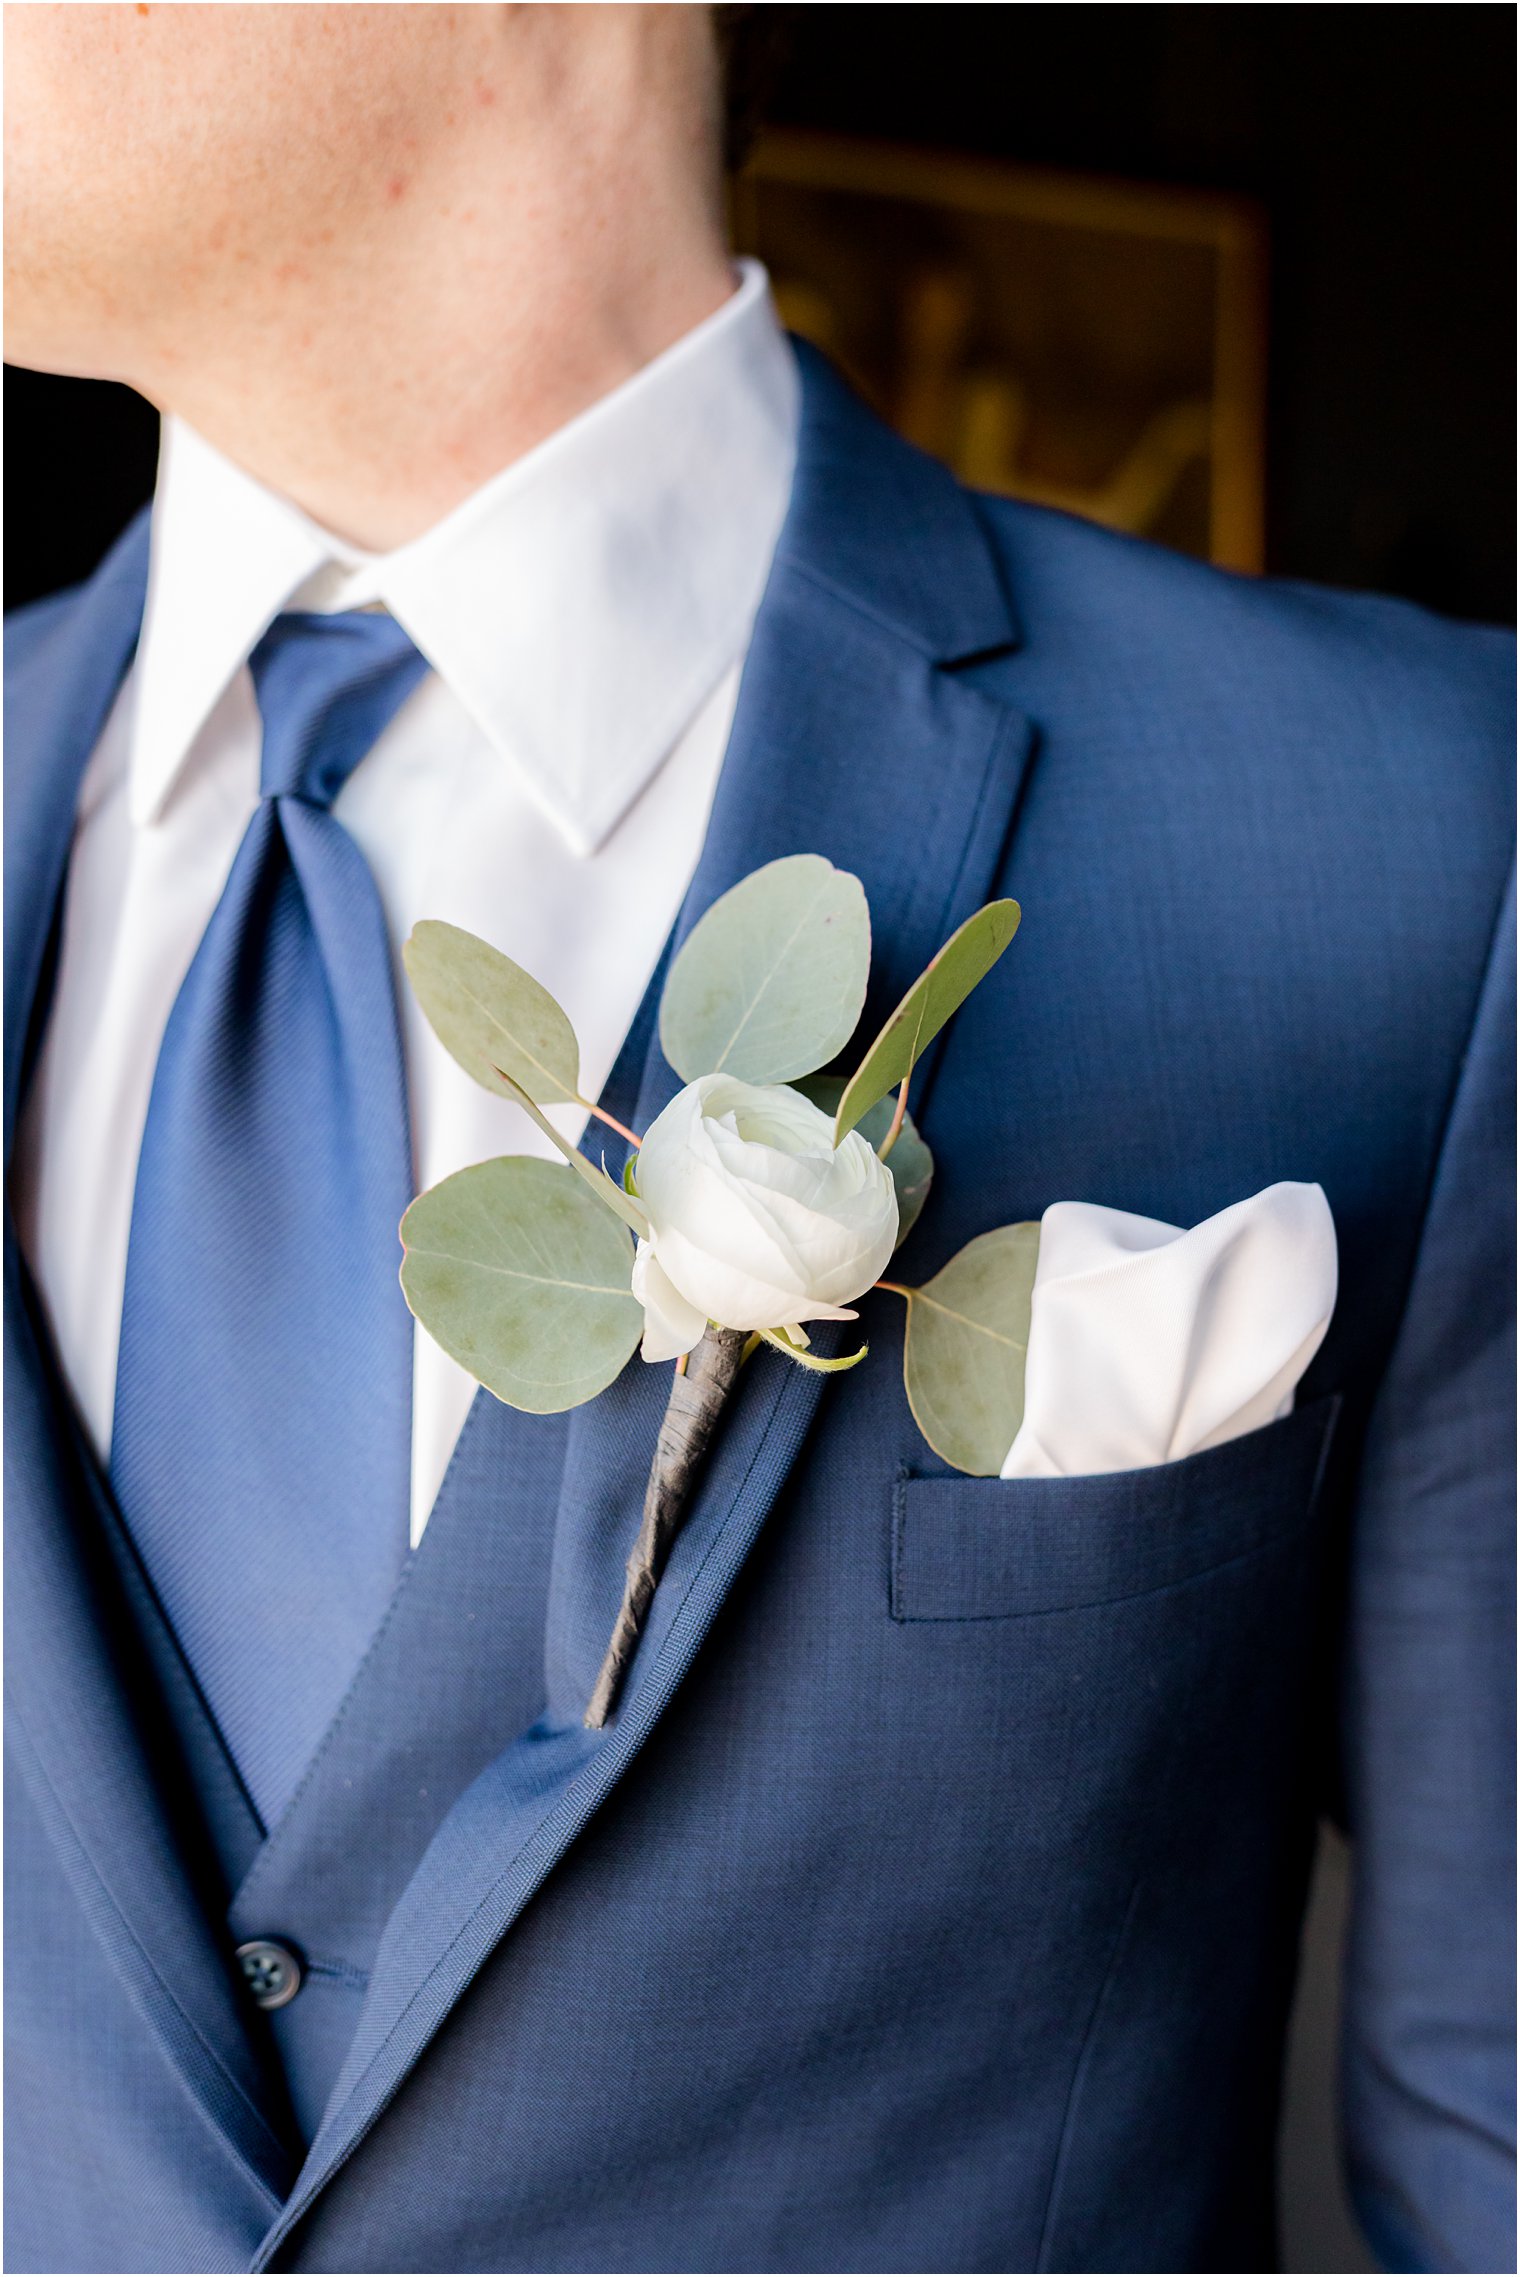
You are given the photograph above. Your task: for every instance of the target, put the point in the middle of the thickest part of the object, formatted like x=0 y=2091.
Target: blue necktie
x=261 y=1444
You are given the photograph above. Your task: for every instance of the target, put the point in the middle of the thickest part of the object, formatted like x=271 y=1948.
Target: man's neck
x=411 y=352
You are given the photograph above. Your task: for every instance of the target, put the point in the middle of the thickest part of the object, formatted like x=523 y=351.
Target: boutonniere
x=765 y=1196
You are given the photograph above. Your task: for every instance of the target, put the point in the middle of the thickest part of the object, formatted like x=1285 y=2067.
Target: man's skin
x=374 y=254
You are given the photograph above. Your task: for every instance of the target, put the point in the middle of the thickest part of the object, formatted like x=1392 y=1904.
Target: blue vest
x=931 y=1900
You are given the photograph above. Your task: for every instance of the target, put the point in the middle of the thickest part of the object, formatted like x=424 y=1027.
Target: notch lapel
x=851 y=739
x=78 y=1676
x=57 y=696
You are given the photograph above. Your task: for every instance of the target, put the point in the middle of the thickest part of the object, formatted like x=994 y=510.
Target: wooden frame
x=1093 y=344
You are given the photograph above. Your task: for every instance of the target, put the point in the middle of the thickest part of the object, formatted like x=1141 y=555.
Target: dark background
x=1378 y=138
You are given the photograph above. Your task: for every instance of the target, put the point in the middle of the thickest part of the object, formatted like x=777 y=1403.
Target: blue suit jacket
x=931 y=1902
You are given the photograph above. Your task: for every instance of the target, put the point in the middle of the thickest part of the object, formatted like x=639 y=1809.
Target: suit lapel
x=83 y=1686
x=56 y=700
x=851 y=739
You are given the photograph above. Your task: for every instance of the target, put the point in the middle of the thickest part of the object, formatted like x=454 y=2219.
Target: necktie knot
x=327 y=686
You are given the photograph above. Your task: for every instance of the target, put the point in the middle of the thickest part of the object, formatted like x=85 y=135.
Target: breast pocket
x=977 y=1549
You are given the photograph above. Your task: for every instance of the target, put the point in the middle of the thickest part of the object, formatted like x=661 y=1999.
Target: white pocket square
x=1148 y=1343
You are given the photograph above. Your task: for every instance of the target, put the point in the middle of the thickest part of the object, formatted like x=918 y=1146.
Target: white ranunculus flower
x=756 y=1219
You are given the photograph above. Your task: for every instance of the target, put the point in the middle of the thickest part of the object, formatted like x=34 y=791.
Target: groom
x=508 y=565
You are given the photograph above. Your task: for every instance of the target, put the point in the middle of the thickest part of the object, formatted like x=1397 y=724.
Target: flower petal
x=757 y=1217
x=671 y=1325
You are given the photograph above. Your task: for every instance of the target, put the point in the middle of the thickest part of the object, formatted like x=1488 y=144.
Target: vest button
x=271 y=1972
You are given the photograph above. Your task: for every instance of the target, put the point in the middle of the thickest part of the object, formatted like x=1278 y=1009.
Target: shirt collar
x=581 y=606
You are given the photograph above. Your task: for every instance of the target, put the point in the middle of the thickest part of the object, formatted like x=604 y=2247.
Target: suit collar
x=850 y=739
x=872 y=521
x=58 y=692
x=889 y=530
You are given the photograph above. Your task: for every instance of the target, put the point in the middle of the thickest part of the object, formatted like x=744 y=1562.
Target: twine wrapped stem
x=697 y=1398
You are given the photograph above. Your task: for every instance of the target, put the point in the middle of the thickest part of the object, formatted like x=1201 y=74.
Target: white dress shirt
x=586 y=615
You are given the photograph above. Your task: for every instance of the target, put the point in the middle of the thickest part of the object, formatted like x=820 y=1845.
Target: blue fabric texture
x=262 y=1432
x=931 y=1901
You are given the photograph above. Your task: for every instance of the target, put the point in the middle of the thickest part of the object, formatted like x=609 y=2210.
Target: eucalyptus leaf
x=513 y=1269
x=491 y=1016
x=910 y=1162
x=770 y=982
x=941 y=988
x=966 y=1343
x=612 y=1197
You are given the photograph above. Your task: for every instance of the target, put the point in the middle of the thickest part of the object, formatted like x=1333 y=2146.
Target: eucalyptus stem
x=896 y=1124
x=612 y=1123
x=696 y=1401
